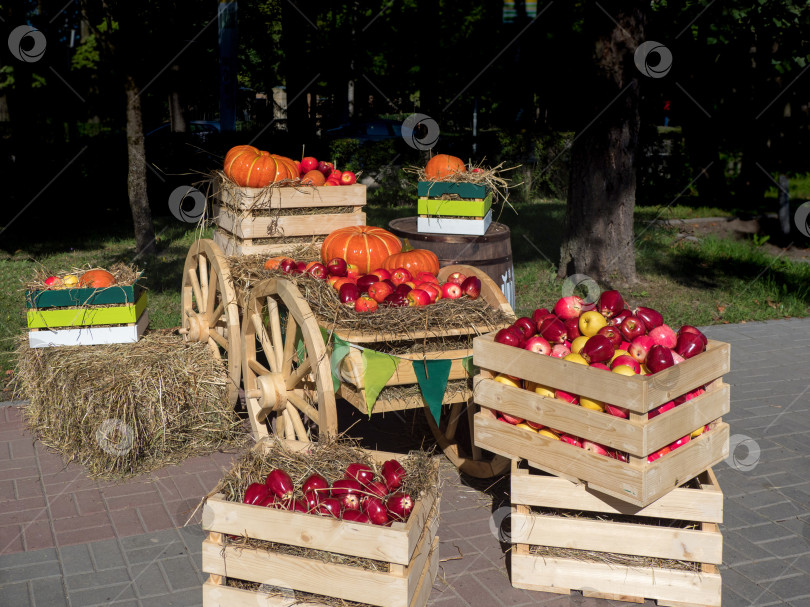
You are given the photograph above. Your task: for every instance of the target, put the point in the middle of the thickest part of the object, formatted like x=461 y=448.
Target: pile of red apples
x=606 y=335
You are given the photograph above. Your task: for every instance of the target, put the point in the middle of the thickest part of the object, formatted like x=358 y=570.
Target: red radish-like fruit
x=689 y=345
x=315 y=482
x=597 y=349
x=376 y=488
x=560 y=351
x=610 y=303
x=270 y=501
x=538 y=344
x=539 y=314
x=572 y=328
x=613 y=334
x=553 y=330
x=626 y=359
x=632 y=327
x=664 y=336
x=659 y=358
x=349 y=293
x=418 y=298
x=617 y=320
x=427 y=277
x=652 y=318
x=471 y=287
x=526 y=326
x=298 y=506
x=375 y=510
x=617 y=411
x=337 y=267
x=661 y=409
x=508 y=336
x=345 y=486
x=361 y=473
x=255 y=493
x=568 y=307
x=287 y=265
x=696 y=331
x=350 y=501
x=392 y=473
x=399 y=506
x=313 y=500
x=280 y=484
x=329 y=507
x=639 y=347
x=355 y=516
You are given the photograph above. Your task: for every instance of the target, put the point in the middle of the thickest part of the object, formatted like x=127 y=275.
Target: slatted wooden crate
x=259 y=220
x=681 y=526
x=86 y=316
x=409 y=548
x=453 y=208
x=638 y=481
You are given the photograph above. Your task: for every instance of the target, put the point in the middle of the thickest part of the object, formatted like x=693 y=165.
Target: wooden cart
x=274 y=348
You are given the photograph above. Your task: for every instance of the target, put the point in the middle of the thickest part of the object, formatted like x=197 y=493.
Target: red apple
x=318 y=270
x=379 y=291
x=348 y=178
x=427 y=277
x=639 y=347
x=511 y=419
x=300 y=268
x=617 y=411
x=597 y=349
x=418 y=297
x=332 y=280
x=661 y=409
x=400 y=275
x=539 y=314
x=680 y=442
x=560 y=351
x=626 y=359
x=397 y=300
x=566 y=396
x=652 y=318
x=664 y=336
x=364 y=282
x=552 y=329
x=538 y=344
x=658 y=454
x=689 y=345
x=431 y=289
x=613 y=334
x=526 y=326
x=53 y=281
x=471 y=287
x=507 y=336
x=381 y=273
x=696 y=331
x=456 y=278
x=659 y=358
x=617 y=320
x=571 y=440
x=337 y=267
x=594 y=447
x=632 y=327
x=602 y=366
x=451 y=290
x=618 y=455
x=572 y=328
x=326 y=168
x=568 y=307
x=365 y=304
x=308 y=163
x=610 y=304
x=352 y=271
x=403 y=289
x=349 y=293
x=287 y=265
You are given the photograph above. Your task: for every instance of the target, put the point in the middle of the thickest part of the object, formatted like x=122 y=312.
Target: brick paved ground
x=67 y=540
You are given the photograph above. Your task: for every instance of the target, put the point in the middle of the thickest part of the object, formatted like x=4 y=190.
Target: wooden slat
x=640 y=486
x=231 y=245
x=554 y=492
x=352 y=369
x=249 y=227
x=637 y=393
x=697 y=545
x=533 y=573
x=292 y=197
x=45 y=318
x=89 y=336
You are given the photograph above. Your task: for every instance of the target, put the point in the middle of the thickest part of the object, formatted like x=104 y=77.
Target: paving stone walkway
x=69 y=540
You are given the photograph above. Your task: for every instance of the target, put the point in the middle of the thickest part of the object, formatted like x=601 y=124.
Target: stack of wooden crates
x=447 y=207
x=583 y=521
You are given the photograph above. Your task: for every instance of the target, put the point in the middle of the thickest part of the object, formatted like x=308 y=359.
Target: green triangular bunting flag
x=433 y=383
x=469 y=367
x=339 y=351
x=377 y=370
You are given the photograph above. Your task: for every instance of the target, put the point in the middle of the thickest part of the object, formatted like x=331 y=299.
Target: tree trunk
x=599 y=239
x=136 y=178
x=177 y=114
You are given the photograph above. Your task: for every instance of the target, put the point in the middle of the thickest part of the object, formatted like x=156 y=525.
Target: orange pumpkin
x=442 y=166
x=313 y=177
x=413 y=260
x=273 y=263
x=253 y=168
x=366 y=247
x=96 y=279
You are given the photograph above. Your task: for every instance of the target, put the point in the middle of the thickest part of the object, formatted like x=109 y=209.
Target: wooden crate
x=436 y=189
x=245 y=215
x=64 y=298
x=454 y=225
x=409 y=549
x=89 y=336
x=454 y=208
x=637 y=481
x=85 y=316
x=630 y=535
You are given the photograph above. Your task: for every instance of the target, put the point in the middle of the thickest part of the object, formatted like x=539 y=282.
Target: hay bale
x=125 y=409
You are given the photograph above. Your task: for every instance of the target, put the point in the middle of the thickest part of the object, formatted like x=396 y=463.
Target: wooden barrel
x=492 y=252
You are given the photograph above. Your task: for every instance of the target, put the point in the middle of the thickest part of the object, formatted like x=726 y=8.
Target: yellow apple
x=548 y=434
x=525 y=426
x=70 y=281
x=698 y=432
x=576 y=358
x=590 y=322
x=589 y=403
x=623 y=370
x=617 y=354
x=577 y=344
x=541 y=390
x=509 y=380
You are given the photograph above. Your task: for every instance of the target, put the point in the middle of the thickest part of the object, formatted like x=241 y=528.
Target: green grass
x=798 y=188
x=708 y=282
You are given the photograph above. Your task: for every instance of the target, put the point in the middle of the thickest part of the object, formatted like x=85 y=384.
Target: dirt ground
x=795 y=247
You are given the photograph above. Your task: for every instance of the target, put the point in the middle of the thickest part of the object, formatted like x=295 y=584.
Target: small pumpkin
x=250 y=167
x=413 y=260
x=97 y=279
x=314 y=177
x=442 y=166
x=273 y=262
x=366 y=247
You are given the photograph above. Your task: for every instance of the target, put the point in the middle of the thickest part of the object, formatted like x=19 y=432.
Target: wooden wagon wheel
x=468 y=458
x=286 y=369
x=209 y=308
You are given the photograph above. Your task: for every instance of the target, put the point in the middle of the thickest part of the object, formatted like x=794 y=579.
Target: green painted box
x=63 y=298
x=434 y=189
x=39 y=318
x=454 y=208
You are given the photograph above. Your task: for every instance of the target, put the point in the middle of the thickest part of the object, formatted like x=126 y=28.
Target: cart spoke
x=216 y=316
x=211 y=296
x=275 y=329
x=300 y=373
x=264 y=339
x=195 y=285
x=300 y=430
x=303 y=406
x=220 y=340
x=203 y=268
x=258 y=368
x=289 y=346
